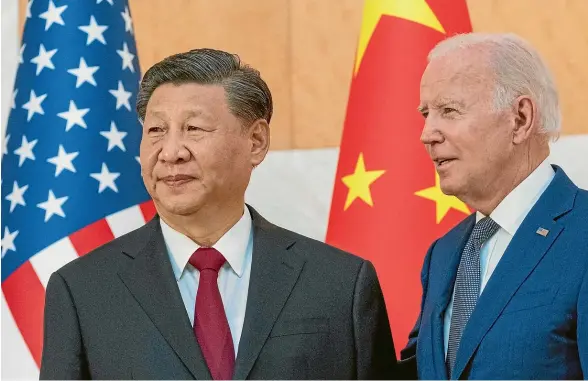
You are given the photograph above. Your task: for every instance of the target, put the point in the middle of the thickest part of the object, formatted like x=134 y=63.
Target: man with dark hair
x=208 y=288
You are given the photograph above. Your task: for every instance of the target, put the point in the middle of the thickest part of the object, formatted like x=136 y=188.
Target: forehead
x=171 y=98
x=464 y=75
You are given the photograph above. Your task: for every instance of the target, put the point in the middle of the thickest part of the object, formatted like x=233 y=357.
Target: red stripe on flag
x=148 y=210
x=25 y=297
x=91 y=237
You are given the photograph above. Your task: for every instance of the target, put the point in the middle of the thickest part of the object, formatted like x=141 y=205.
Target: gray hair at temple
x=519 y=70
x=248 y=96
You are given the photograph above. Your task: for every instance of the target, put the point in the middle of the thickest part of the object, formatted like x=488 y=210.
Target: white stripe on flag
x=17 y=361
x=125 y=221
x=52 y=258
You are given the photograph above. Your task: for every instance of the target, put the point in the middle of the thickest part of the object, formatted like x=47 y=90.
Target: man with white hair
x=505 y=293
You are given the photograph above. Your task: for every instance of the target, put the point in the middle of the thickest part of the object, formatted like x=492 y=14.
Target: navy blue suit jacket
x=531 y=320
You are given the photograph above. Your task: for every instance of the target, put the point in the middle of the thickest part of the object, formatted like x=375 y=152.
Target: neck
x=493 y=192
x=208 y=224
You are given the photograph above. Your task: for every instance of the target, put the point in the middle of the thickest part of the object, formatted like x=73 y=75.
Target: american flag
x=70 y=172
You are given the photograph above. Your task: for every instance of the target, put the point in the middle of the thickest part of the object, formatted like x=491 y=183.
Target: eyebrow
x=445 y=102
x=158 y=114
x=188 y=114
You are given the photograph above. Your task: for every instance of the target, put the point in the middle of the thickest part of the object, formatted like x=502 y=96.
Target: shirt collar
x=513 y=209
x=232 y=245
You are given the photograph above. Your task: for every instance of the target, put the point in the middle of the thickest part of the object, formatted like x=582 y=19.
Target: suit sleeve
x=63 y=352
x=408 y=363
x=582 y=328
x=376 y=358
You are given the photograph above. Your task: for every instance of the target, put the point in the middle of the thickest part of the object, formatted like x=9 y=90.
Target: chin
x=449 y=188
x=182 y=210
x=181 y=206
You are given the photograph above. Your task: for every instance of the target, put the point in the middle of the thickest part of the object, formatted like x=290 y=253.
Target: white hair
x=519 y=70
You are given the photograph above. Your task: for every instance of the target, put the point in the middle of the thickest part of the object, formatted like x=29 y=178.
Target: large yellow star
x=359 y=183
x=412 y=10
x=444 y=202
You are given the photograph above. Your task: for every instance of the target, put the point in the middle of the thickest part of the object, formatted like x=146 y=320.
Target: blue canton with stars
x=70 y=156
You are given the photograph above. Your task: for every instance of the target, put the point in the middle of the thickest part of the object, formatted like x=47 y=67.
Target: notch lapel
x=274 y=272
x=151 y=281
x=524 y=253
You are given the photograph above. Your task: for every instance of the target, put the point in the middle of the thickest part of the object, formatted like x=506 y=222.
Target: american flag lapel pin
x=542 y=231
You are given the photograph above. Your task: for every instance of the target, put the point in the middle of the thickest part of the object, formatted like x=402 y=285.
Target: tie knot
x=207 y=258
x=484 y=229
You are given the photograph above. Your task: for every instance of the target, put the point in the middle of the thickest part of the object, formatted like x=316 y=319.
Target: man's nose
x=431 y=133
x=174 y=148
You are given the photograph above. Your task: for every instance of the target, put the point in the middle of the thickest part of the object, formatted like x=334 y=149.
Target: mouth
x=443 y=163
x=176 y=180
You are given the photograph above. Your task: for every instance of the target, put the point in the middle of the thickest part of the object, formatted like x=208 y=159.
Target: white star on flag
x=33 y=106
x=122 y=96
x=94 y=31
x=63 y=160
x=5 y=144
x=115 y=137
x=13 y=105
x=74 y=116
x=127 y=58
x=84 y=73
x=128 y=21
x=8 y=241
x=53 y=15
x=16 y=197
x=106 y=179
x=25 y=151
x=20 y=53
x=43 y=60
x=53 y=206
x=29 y=5
x=108 y=1
x=138 y=159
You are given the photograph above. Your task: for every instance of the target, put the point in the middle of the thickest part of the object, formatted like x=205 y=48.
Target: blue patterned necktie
x=467 y=285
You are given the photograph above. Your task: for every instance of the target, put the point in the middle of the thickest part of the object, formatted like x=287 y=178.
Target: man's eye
x=194 y=128
x=448 y=110
x=425 y=114
x=155 y=129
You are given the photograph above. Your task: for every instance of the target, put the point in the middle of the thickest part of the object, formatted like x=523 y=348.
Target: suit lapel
x=525 y=251
x=451 y=247
x=274 y=272
x=151 y=281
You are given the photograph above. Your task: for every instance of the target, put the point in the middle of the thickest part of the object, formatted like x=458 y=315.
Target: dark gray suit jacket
x=313 y=312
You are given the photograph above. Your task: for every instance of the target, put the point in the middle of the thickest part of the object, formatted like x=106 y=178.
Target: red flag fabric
x=387 y=206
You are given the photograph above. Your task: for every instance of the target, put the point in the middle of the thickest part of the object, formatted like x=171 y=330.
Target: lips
x=443 y=162
x=176 y=180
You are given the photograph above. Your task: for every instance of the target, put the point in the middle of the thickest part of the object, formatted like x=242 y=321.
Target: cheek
x=231 y=151
x=148 y=157
x=459 y=138
x=497 y=142
x=220 y=156
x=210 y=159
x=470 y=139
x=232 y=165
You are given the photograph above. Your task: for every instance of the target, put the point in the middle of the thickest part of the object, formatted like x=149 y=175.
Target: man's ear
x=259 y=135
x=526 y=119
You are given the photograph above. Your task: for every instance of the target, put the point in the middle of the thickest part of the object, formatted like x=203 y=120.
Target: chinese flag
x=387 y=205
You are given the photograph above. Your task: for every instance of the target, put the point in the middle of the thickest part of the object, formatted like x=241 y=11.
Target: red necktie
x=211 y=326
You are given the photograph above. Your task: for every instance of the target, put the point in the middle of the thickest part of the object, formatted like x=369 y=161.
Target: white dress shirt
x=233 y=279
x=509 y=215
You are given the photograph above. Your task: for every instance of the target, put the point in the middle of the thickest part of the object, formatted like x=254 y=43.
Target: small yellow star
x=443 y=201
x=413 y=10
x=359 y=183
